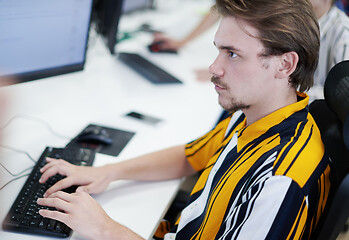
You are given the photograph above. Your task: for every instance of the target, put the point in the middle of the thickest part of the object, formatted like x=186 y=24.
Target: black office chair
x=332 y=118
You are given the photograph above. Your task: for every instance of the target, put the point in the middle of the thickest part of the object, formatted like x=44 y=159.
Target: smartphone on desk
x=144 y=118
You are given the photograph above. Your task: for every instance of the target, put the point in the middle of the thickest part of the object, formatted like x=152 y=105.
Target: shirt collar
x=256 y=129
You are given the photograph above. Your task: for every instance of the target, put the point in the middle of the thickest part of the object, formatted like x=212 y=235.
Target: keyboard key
x=59 y=226
x=51 y=224
x=43 y=223
x=16 y=218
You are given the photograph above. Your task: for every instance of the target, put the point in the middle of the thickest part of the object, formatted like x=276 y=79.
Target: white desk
x=102 y=94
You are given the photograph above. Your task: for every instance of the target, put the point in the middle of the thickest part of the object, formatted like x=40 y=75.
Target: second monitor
x=106 y=15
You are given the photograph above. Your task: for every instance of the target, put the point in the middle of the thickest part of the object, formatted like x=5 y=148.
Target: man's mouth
x=217 y=84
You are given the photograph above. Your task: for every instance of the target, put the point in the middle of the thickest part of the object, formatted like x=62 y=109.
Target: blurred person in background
x=334 y=41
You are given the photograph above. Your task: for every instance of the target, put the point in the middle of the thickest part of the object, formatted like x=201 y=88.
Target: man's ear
x=287 y=65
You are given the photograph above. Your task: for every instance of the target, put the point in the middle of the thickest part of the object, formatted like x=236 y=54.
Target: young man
x=264 y=173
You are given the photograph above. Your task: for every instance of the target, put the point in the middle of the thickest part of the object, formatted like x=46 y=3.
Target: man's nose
x=216 y=69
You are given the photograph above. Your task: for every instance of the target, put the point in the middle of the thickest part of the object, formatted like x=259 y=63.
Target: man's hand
x=90 y=179
x=84 y=215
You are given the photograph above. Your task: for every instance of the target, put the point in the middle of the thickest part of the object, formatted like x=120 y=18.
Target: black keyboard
x=24 y=214
x=147 y=69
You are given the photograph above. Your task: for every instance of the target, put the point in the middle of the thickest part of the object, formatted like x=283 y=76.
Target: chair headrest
x=336 y=91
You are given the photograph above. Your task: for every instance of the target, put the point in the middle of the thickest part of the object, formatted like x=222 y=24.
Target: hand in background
x=167 y=42
x=203 y=75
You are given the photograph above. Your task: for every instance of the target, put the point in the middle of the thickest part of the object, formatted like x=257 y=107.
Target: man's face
x=243 y=78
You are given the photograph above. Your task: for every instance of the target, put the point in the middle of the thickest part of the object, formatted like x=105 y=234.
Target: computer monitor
x=134 y=5
x=42 y=38
x=105 y=16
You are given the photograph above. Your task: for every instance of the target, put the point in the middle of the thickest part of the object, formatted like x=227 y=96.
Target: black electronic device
x=24 y=215
x=106 y=140
x=147 y=69
x=105 y=16
x=144 y=117
x=43 y=38
x=131 y=6
x=96 y=135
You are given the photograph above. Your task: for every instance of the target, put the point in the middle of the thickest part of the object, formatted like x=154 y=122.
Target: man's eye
x=232 y=55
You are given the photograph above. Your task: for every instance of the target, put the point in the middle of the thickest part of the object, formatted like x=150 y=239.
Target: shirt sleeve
x=275 y=208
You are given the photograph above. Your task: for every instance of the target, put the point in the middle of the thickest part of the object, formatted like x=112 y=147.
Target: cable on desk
x=36 y=120
x=16 y=174
x=19 y=151
x=13 y=180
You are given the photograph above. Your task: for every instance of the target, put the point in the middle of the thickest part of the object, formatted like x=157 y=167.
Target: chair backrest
x=338 y=212
x=336 y=92
x=331 y=116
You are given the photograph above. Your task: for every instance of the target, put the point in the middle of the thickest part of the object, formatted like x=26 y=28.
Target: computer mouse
x=156 y=48
x=95 y=135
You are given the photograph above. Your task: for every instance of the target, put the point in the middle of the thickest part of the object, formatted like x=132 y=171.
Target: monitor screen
x=134 y=5
x=106 y=15
x=42 y=38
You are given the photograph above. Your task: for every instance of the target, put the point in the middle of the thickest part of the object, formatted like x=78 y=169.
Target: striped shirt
x=269 y=180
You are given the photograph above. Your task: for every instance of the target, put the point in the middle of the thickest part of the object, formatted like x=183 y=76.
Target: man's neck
x=322 y=10
x=254 y=113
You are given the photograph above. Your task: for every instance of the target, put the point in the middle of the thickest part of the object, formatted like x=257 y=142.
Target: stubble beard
x=233 y=105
